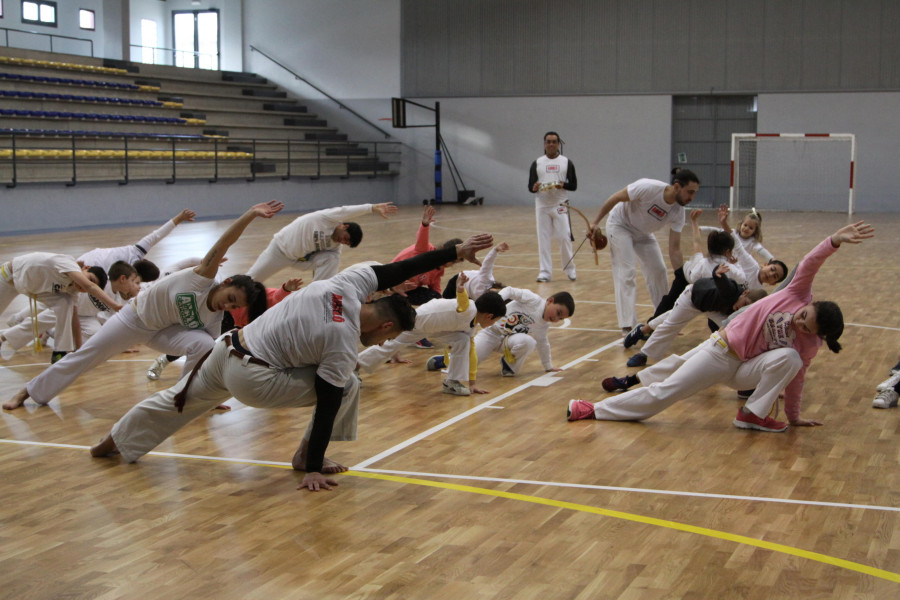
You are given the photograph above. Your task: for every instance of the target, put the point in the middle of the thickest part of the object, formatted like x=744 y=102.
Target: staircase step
x=240 y=77
x=263 y=93
x=346 y=151
x=325 y=136
x=284 y=107
x=305 y=122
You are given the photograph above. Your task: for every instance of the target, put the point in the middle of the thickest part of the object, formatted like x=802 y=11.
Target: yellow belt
x=721 y=342
x=6 y=272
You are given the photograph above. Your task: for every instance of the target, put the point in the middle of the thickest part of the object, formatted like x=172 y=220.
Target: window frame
x=38 y=21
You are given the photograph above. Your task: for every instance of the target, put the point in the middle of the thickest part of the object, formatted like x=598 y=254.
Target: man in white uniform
x=550 y=178
x=635 y=212
x=300 y=352
x=313 y=241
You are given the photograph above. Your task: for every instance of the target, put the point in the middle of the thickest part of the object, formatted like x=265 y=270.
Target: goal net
x=793 y=171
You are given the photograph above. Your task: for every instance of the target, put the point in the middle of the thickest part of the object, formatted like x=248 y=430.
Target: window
x=196 y=37
x=39 y=13
x=86 y=19
x=149 y=37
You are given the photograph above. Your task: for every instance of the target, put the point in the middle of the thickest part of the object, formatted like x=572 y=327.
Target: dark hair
x=120 y=268
x=146 y=270
x=100 y=274
x=396 y=308
x=259 y=304
x=674 y=172
x=756 y=294
x=491 y=303
x=245 y=283
x=718 y=243
x=450 y=288
x=784 y=269
x=451 y=243
x=830 y=320
x=355 y=232
x=684 y=177
x=564 y=298
x=559 y=139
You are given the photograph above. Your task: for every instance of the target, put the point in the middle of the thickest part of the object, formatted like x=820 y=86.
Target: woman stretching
x=768 y=347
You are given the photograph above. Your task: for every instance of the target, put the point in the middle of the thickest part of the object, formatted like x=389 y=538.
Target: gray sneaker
x=885 y=399
x=154 y=372
x=452 y=386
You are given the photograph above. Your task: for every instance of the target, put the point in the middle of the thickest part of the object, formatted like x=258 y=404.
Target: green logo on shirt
x=188 y=314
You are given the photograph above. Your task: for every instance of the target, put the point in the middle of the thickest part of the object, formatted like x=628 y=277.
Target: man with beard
x=635 y=213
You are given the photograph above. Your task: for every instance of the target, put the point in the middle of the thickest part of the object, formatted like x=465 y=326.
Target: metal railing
x=50 y=36
x=177 y=58
x=323 y=92
x=71 y=159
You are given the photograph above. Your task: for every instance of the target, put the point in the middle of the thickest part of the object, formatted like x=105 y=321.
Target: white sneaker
x=885 y=399
x=154 y=372
x=890 y=382
x=452 y=386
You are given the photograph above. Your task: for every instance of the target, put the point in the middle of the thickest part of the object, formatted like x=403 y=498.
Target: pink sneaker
x=750 y=421
x=580 y=409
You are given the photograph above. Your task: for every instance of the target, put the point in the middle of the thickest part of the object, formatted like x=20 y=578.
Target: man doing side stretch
x=300 y=352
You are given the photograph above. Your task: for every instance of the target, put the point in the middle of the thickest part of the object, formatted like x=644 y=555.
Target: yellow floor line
x=740 y=539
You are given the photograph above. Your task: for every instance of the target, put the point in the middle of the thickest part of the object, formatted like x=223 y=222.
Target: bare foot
x=398 y=360
x=105 y=447
x=223 y=407
x=17 y=400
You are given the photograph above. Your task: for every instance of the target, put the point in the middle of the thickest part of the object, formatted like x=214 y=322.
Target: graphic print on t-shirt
x=778 y=331
x=188 y=313
x=657 y=212
x=516 y=323
x=334 y=308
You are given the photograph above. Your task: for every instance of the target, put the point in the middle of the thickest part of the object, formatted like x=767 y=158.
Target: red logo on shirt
x=553 y=168
x=657 y=212
x=337 y=308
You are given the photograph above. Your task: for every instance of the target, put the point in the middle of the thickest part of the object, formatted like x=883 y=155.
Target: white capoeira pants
x=628 y=248
x=272 y=260
x=667 y=325
x=458 y=341
x=515 y=348
x=553 y=224
x=62 y=307
x=19 y=335
x=710 y=363
x=122 y=331
x=222 y=376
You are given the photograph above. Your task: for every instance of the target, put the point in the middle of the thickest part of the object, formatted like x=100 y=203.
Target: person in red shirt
x=426 y=286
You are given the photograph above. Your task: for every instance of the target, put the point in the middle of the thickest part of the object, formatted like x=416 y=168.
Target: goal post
x=793 y=171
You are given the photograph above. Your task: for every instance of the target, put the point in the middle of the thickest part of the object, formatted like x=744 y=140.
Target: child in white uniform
x=313 y=241
x=528 y=317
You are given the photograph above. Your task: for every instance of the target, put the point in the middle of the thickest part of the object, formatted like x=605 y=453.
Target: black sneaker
x=635 y=335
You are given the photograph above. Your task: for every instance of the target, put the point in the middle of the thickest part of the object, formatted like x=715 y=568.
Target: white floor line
x=540 y=381
x=628 y=489
x=492 y=479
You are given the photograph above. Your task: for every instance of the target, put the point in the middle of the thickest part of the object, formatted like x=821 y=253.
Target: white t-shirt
x=317 y=325
x=647 y=211
x=43 y=273
x=750 y=244
x=701 y=267
x=312 y=232
x=525 y=314
x=178 y=299
x=440 y=314
x=105 y=257
x=551 y=171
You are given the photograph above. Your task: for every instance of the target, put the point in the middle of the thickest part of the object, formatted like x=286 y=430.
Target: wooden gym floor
x=492 y=496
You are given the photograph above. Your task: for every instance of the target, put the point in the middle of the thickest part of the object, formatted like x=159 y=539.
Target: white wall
x=67 y=24
x=871 y=116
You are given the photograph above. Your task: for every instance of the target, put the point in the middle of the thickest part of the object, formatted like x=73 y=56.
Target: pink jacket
x=766 y=324
x=431 y=279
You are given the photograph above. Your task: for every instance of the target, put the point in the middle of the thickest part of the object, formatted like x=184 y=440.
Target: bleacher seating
x=153 y=122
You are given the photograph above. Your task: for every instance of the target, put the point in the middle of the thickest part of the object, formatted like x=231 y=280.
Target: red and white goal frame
x=825 y=137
